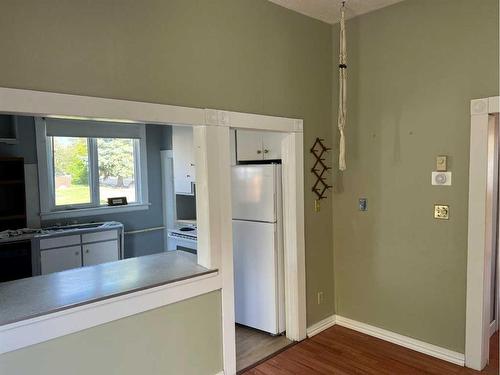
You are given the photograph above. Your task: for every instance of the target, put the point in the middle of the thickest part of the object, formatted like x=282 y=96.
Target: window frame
x=48 y=207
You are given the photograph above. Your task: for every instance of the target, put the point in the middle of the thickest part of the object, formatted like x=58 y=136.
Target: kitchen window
x=83 y=163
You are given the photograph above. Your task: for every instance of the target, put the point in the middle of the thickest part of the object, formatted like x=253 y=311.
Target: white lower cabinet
x=60 y=259
x=100 y=252
x=66 y=252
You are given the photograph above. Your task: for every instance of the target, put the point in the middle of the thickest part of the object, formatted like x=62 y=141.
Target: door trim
x=483 y=167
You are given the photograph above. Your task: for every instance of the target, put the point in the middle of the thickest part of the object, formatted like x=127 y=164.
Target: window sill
x=103 y=210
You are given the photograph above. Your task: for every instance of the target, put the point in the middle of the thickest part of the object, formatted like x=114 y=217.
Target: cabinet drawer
x=49 y=243
x=100 y=236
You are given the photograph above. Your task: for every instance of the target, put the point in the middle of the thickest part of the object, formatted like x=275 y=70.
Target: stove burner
x=186 y=229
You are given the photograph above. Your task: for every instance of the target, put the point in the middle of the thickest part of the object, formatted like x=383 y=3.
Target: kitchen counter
x=63 y=230
x=22 y=237
x=35 y=296
x=80 y=228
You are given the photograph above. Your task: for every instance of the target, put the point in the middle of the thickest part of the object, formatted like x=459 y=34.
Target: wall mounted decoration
x=320 y=187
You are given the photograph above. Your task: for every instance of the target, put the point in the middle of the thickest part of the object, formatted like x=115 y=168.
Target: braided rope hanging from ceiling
x=342 y=89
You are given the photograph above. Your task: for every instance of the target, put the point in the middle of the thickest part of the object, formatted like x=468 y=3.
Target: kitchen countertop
x=22 y=237
x=65 y=230
x=40 y=295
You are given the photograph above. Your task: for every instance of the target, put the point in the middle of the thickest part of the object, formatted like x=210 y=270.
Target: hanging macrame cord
x=342 y=89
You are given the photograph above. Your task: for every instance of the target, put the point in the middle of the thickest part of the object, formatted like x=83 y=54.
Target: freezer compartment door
x=256 y=275
x=254 y=192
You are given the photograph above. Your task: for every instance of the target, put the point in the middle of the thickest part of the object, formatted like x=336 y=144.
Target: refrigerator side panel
x=255 y=276
x=280 y=256
x=280 y=265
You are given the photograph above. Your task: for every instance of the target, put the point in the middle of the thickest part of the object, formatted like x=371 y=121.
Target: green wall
x=161 y=341
x=242 y=55
x=413 y=69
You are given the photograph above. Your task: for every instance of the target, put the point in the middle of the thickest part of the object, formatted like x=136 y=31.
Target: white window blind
x=92 y=129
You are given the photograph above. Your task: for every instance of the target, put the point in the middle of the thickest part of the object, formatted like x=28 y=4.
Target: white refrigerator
x=258 y=247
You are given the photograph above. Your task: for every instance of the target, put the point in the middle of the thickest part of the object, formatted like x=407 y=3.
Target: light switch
x=442 y=163
x=441 y=211
x=317 y=205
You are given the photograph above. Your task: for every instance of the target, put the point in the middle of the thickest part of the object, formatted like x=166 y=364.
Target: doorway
x=258 y=245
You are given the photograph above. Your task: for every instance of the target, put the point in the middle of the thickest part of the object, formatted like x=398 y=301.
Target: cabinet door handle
x=259 y=152
x=266 y=151
x=77 y=253
x=192 y=164
x=87 y=251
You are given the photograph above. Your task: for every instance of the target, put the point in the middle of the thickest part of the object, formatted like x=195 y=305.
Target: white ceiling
x=329 y=10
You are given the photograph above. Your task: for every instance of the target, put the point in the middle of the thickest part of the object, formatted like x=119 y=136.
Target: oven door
x=176 y=242
x=15 y=260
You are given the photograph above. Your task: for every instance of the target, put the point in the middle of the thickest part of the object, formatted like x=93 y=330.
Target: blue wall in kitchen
x=26 y=147
x=158 y=137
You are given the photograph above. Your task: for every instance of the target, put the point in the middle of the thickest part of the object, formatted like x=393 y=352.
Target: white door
x=60 y=259
x=254 y=192
x=249 y=145
x=255 y=275
x=100 y=252
x=271 y=144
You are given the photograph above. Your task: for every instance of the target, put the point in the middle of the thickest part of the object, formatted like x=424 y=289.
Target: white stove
x=183 y=237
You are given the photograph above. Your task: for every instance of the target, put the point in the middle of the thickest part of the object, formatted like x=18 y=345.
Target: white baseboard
x=407 y=342
x=220 y=373
x=321 y=326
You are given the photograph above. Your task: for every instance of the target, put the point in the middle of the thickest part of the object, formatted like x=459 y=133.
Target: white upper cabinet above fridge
x=252 y=145
x=183 y=160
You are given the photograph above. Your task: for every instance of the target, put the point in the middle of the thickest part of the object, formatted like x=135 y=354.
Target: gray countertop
x=41 y=295
x=64 y=230
x=21 y=237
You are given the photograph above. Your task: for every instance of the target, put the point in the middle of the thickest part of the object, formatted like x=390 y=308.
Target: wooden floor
x=253 y=346
x=342 y=351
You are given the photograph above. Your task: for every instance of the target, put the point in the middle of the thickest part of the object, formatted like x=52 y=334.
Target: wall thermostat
x=441 y=178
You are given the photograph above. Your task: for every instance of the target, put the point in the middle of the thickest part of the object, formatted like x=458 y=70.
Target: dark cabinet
x=12 y=194
x=15 y=260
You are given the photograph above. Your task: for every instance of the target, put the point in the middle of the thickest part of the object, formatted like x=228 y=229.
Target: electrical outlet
x=363 y=204
x=320 y=298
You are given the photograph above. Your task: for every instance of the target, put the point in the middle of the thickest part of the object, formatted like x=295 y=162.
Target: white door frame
x=219 y=168
x=211 y=139
x=483 y=169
